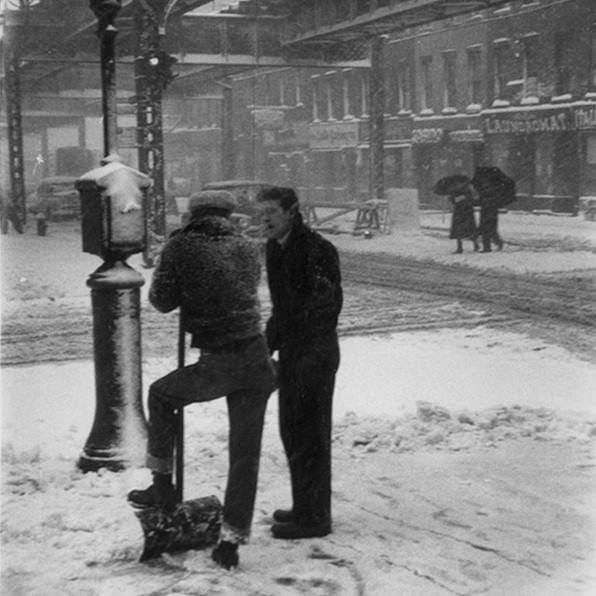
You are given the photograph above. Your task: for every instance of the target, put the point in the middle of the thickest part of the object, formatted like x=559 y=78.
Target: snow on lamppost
x=113 y=228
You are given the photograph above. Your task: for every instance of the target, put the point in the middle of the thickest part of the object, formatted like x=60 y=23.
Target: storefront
x=443 y=146
x=334 y=162
x=584 y=117
x=546 y=150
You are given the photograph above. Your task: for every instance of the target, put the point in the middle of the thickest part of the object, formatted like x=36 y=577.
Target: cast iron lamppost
x=113 y=227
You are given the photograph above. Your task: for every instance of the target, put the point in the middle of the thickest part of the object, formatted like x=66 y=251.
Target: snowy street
x=464 y=458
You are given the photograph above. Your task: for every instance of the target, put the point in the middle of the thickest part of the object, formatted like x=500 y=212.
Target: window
x=563 y=63
x=345 y=84
x=426 y=90
x=404 y=87
x=273 y=90
x=362 y=6
x=364 y=91
x=500 y=76
x=474 y=56
x=449 y=82
x=592 y=82
x=530 y=67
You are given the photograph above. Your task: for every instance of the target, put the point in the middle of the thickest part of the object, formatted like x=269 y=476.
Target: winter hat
x=211 y=200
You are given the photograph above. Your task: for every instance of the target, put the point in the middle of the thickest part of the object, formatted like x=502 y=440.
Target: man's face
x=276 y=222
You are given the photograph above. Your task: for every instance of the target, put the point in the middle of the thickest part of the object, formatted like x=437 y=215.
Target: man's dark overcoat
x=305 y=285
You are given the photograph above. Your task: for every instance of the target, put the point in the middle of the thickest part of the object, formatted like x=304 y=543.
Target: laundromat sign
x=564 y=119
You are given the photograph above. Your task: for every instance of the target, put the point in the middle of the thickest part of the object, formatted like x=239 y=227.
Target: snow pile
x=435 y=427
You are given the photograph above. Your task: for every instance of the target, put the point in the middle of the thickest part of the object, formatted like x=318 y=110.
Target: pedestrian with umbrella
x=495 y=191
x=461 y=196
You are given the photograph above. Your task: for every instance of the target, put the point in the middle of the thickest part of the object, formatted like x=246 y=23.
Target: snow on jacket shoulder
x=212 y=273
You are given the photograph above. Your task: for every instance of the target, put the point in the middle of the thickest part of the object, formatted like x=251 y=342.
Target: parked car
x=55 y=198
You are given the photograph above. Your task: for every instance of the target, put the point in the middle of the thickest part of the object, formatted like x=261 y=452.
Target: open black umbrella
x=492 y=181
x=451 y=185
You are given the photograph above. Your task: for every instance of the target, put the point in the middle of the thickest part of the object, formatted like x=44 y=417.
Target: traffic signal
x=160 y=68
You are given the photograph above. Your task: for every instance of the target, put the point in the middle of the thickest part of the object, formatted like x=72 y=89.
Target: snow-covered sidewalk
x=463 y=463
x=464 y=459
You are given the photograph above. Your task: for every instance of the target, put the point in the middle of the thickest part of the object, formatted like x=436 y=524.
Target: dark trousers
x=305 y=416
x=246 y=377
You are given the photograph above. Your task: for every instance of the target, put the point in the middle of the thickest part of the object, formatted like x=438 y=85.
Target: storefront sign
x=421 y=136
x=529 y=122
x=585 y=118
x=332 y=135
x=294 y=136
x=471 y=135
x=398 y=130
x=268 y=118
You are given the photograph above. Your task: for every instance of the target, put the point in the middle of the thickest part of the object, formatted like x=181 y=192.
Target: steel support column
x=227 y=129
x=377 y=117
x=12 y=43
x=149 y=119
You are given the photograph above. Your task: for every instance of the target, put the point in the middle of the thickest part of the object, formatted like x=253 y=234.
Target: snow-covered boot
x=160 y=494
x=225 y=554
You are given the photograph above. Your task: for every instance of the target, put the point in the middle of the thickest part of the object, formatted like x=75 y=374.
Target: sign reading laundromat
x=529 y=122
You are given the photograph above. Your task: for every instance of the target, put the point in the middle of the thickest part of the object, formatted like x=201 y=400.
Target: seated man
x=212 y=273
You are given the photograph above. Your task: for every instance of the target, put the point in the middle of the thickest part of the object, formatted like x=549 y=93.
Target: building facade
x=513 y=87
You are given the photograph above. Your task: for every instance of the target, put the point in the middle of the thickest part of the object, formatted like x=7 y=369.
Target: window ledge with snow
x=530 y=100
x=500 y=103
x=449 y=111
x=561 y=98
x=473 y=108
x=427 y=112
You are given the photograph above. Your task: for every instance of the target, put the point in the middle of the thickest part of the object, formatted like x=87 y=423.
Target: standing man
x=212 y=273
x=305 y=286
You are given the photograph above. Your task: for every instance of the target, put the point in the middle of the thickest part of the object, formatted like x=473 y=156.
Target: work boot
x=283 y=516
x=292 y=531
x=499 y=243
x=225 y=554
x=160 y=494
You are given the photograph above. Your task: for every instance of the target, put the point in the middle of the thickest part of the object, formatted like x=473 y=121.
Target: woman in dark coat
x=463 y=222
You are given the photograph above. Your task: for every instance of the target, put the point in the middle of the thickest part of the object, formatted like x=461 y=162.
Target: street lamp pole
x=113 y=228
x=106 y=11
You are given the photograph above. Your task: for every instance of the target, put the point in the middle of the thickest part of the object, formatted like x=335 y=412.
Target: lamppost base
x=92 y=462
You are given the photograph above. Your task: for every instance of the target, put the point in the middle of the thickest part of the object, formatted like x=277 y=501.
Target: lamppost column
x=112 y=220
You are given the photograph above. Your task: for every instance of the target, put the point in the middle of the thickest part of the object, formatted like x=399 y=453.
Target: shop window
x=530 y=68
x=474 y=58
x=449 y=80
x=426 y=87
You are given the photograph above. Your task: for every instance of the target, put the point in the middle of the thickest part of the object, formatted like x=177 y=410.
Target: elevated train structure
x=340 y=98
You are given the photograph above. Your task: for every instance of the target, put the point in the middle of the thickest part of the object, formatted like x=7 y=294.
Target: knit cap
x=207 y=200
